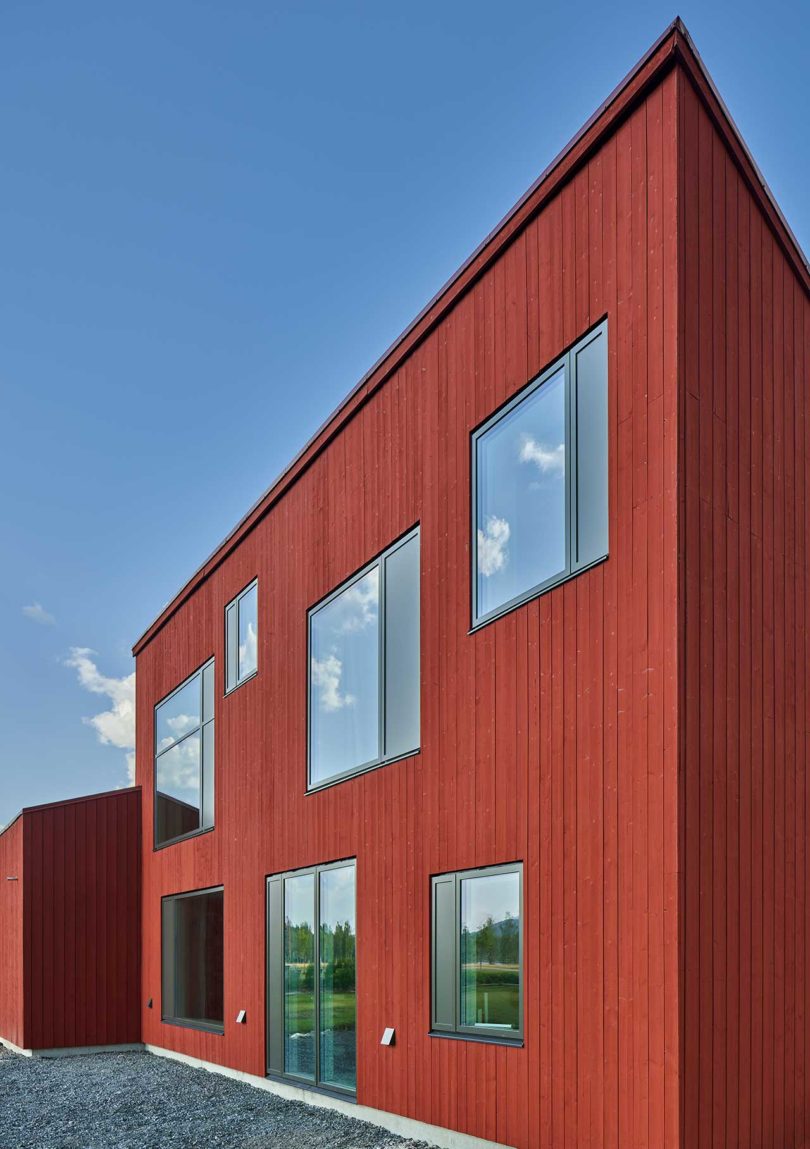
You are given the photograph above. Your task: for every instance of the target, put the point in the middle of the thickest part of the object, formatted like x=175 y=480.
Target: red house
x=473 y=762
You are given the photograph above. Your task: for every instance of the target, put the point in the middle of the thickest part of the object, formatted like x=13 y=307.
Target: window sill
x=217 y=1030
x=182 y=838
x=347 y=777
x=242 y=682
x=531 y=595
x=480 y=1038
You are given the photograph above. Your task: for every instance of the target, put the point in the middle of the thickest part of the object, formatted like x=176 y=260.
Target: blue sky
x=214 y=219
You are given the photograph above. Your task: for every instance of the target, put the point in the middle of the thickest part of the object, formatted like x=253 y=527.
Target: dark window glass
x=193 y=961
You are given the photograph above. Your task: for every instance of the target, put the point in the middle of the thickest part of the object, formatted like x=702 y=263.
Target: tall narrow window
x=312 y=989
x=193 y=960
x=242 y=637
x=364 y=668
x=477 y=953
x=540 y=468
x=184 y=759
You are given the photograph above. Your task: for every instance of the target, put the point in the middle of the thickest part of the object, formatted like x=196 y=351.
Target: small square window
x=540 y=482
x=242 y=637
x=477 y=953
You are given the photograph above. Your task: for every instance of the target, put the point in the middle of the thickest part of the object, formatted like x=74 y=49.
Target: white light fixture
x=241 y=1017
x=388 y=1036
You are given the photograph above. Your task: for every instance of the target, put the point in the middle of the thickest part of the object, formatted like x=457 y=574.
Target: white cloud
x=359 y=603
x=326 y=674
x=37 y=613
x=116 y=726
x=180 y=768
x=247 y=649
x=493 y=545
x=548 y=460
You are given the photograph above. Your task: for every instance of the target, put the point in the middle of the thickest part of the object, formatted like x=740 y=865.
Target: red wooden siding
x=549 y=736
x=70 y=928
x=744 y=688
x=11 y=933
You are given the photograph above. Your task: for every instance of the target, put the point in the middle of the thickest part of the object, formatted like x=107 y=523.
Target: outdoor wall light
x=241 y=1017
x=388 y=1036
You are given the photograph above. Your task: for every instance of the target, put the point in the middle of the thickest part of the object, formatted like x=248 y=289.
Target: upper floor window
x=364 y=668
x=540 y=482
x=242 y=636
x=184 y=758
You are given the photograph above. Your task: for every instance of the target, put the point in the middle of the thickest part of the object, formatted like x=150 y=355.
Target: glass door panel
x=299 y=976
x=337 y=971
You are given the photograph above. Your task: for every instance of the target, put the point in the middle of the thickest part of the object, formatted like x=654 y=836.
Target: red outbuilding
x=473 y=762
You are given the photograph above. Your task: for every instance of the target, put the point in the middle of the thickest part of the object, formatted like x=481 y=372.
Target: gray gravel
x=139 y=1101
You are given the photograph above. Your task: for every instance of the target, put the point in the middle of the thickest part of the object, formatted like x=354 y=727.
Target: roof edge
x=674 y=45
x=66 y=802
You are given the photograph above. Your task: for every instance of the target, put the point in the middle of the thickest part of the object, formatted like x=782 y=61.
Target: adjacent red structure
x=70 y=923
x=608 y=761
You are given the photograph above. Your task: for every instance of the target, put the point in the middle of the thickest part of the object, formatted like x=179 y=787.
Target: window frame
x=229 y=652
x=382 y=759
x=186 y=1023
x=206 y=773
x=274 y=994
x=573 y=565
x=457 y=1030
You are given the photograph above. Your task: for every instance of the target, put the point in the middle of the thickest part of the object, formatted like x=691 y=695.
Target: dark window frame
x=574 y=565
x=232 y=640
x=382 y=759
x=456 y=1029
x=274 y=980
x=206 y=770
x=170 y=1019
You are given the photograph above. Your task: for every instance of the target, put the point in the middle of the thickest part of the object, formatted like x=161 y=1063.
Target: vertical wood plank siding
x=744 y=689
x=11 y=933
x=82 y=921
x=549 y=736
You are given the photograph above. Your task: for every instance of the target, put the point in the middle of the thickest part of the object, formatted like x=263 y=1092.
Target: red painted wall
x=635 y=737
x=745 y=690
x=549 y=736
x=11 y=933
x=71 y=925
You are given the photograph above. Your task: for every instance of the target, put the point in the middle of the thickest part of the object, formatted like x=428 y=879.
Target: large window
x=184 y=759
x=242 y=637
x=364 y=668
x=540 y=482
x=477 y=953
x=193 y=960
x=311 y=974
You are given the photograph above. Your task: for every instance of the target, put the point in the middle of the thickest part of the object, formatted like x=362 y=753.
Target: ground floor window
x=193 y=949
x=311 y=973
x=477 y=952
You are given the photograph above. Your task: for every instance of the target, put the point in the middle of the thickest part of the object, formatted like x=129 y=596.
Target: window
x=311 y=974
x=477 y=955
x=242 y=637
x=364 y=668
x=540 y=482
x=192 y=976
x=184 y=759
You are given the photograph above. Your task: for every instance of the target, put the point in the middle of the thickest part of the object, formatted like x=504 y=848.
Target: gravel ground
x=140 y=1101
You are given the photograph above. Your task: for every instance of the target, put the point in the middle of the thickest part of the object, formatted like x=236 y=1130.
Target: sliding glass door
x=311 y=976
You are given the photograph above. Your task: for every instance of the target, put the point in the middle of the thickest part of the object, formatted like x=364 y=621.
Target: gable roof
x=674 y=46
